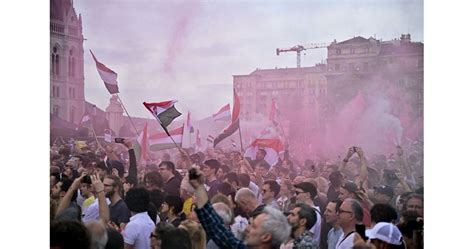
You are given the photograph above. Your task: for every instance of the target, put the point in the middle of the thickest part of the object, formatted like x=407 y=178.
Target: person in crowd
x=233 y=179
x=331 y=217
x=166 y=235
x=383 y=213
x=350 y=190
x=171 y=178
x=153 y=180
x=137 y=232
x=411 y=227
x=384 y=194
x=65 y=193
x=171 y=210
x=301 y=219
x=260 y=156
x=336 y=180
x=269 y=228
x=210 y=169
x=286 y=193
x=385 y=235
x=415 y=203
x=98 y=232
x=350 y=213
x=305 y=193
x=270 y=191
x=87 y=193
x=119 y=212
x=244 y=182
x=196 y=233
x=247 y=201
x=114 y=239
x=69 y=234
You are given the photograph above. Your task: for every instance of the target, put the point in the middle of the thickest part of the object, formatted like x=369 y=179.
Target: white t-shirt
x=345 y=242
x=137 y=231
x=92 y=212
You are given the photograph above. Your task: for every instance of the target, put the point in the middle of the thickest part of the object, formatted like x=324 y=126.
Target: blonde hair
x=196 y=233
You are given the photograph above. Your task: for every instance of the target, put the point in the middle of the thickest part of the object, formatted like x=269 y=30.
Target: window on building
x=366 y=50
x=71 y=64
x=352 y=50
x=338 y=51
x=56 y=110
x=55 y=61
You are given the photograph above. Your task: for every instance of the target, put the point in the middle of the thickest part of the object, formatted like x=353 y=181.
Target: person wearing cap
x=350 y=190
x=383 y=194
x=385 y=235
x=305 y=193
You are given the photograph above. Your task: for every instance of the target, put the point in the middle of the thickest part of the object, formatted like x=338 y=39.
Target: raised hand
x=97 y=183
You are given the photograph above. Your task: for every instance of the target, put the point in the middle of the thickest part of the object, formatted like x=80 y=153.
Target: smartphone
x=119 y=140
x=360 y=229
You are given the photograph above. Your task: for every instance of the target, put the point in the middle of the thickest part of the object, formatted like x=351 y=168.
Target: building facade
x=298 y=93
x=67 y=100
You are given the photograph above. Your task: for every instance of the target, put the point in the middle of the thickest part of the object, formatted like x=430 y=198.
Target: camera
x=119 y=140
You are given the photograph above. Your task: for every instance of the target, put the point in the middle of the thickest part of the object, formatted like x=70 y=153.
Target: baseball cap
x=386 y=232
x=350 y=186
x=386 y=190
x=308 y=188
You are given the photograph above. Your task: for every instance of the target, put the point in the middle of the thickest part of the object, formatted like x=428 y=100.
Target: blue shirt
x=333 y=237
x=215 y=229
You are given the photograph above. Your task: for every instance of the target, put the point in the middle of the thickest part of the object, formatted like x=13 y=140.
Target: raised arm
x=104 y=213
x=363 y=174
x=66 y=200
x=344 y=162
x=132 y=169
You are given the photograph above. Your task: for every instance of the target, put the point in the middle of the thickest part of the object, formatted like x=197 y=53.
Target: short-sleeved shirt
x=137 y=231
x=119 y=212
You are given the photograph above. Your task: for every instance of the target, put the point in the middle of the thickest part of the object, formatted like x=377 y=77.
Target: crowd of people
x=101 y=198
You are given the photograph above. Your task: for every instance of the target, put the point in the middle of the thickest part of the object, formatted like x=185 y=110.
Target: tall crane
x=298 y=49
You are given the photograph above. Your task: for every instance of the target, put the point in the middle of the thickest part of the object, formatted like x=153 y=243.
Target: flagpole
x=95 y=136
x=121 y=103
x=167 y=133
x=282 y=129
x=240 y=135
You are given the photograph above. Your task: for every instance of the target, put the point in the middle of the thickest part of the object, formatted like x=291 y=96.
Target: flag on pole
x=189 y=124
x=223 y=114
x=210 y=139
x=198 y=139
x=107 y=75
x=141 y=146
x=274 y=112
x=164 y=112
x=273 y=147
x=229 y=130
x=85 y=120
x=161 y=141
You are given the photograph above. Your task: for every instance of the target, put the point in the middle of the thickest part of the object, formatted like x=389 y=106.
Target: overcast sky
x=189 y=50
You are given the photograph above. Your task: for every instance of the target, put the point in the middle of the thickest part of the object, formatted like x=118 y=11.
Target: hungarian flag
x=223 y=114
x=161 y=141
x=188 y=123
x=107 y=75
x=198 y=139
x=85 y=121
x=141 y=146
x=164 y=112
x=274 y=112
x=273 y=147
x=229 y=130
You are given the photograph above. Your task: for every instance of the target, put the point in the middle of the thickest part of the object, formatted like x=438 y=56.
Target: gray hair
x=357 y=209
x=224 y=212
x=276 y=223
x=98 y=234
x=244 y=192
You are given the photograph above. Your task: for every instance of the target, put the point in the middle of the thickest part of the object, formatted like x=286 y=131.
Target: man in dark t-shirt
x=210 y=169
x=171 y=178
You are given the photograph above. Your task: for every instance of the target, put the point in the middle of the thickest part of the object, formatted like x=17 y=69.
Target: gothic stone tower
x=66 y=62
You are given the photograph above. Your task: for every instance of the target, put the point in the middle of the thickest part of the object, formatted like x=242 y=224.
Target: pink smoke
x=178 y=38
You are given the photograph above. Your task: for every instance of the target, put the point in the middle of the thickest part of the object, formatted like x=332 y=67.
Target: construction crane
x=298 y=49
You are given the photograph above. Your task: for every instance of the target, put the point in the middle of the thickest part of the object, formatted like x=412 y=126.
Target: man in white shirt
x=137 y=232
x=350 y=213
